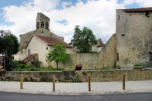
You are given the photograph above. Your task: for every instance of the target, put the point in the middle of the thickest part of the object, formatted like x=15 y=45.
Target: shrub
x=137 y=65
x=36 y=69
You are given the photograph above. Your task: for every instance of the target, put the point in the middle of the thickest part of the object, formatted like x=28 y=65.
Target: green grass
x=105 y=68
x=52 y=69
x=137 y=65
x=70 y=68
x=36 y=69
x=27 y=67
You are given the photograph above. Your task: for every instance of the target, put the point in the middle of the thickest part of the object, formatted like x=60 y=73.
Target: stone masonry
x=134 y=37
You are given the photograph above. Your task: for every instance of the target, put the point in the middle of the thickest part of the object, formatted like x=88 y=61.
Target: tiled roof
x=51 y=41
x=100 y=43
x=138 y=9
x=27 y=59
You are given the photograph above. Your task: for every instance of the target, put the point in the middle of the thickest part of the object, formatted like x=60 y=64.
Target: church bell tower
x=42 y=21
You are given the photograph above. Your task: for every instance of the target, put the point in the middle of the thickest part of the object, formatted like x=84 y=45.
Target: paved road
x=111 y=97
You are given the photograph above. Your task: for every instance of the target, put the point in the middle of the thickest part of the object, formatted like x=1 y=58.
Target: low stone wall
x=106 y=58
x=80 y=76
x=87 y=60
x=108 y=55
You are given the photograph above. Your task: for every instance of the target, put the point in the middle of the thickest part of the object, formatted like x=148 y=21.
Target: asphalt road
x=110 y=97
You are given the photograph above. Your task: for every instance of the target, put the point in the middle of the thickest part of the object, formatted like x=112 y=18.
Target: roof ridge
x=52 y=40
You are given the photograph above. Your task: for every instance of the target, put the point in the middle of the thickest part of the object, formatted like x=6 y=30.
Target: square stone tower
x=42 y=21
x=134 y=37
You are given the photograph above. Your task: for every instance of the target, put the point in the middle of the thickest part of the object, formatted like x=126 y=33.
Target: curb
x=63 y=93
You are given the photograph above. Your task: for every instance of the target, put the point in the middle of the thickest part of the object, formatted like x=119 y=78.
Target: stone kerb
x=79 y=76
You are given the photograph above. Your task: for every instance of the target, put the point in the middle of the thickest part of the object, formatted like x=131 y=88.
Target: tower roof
x=41 y=16
x=100 y=43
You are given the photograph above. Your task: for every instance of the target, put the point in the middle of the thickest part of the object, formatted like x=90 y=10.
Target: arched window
x=47 y=25
x=42 y=24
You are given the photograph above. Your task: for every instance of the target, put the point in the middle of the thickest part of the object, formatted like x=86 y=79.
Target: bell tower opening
x=42 y=21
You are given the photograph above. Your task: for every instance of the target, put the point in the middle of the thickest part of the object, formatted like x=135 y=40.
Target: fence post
x=123 y=82
x=89 y=84
x=3 y=76
x=21 y=81
x=53 y=79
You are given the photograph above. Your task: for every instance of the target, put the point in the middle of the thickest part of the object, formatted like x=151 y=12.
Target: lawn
x=36 y=69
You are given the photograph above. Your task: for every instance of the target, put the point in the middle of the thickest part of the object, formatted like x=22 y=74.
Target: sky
x=19 y=16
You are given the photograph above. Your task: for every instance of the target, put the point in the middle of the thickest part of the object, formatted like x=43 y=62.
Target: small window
x=150 y=56
x=42 y=24
x=147 y=14
x=122 y=34
x=47 y=48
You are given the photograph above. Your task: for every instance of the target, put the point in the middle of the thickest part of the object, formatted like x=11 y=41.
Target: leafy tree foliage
x=58 y=54
x=9 y=47
x=84 y=39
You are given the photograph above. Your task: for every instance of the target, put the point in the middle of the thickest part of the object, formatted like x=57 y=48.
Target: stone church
x=35 y=45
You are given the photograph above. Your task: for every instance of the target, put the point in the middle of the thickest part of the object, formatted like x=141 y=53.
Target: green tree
x=83 y=39
x=9 y=47
x=58 y=54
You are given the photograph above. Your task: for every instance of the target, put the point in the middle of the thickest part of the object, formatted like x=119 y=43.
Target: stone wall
x=134 y=35
x=106 y=58
x=108 y=55
x=87 y=60
x=81 y=76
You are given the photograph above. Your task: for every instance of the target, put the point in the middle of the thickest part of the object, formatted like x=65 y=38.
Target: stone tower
x=134 y=37
x=42 y=21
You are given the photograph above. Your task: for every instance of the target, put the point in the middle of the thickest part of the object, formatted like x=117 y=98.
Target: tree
x=58 y=54
x=9 y=47
x=83 y=39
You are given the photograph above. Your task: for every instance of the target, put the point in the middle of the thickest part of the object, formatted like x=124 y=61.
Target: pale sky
x=19 y=16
